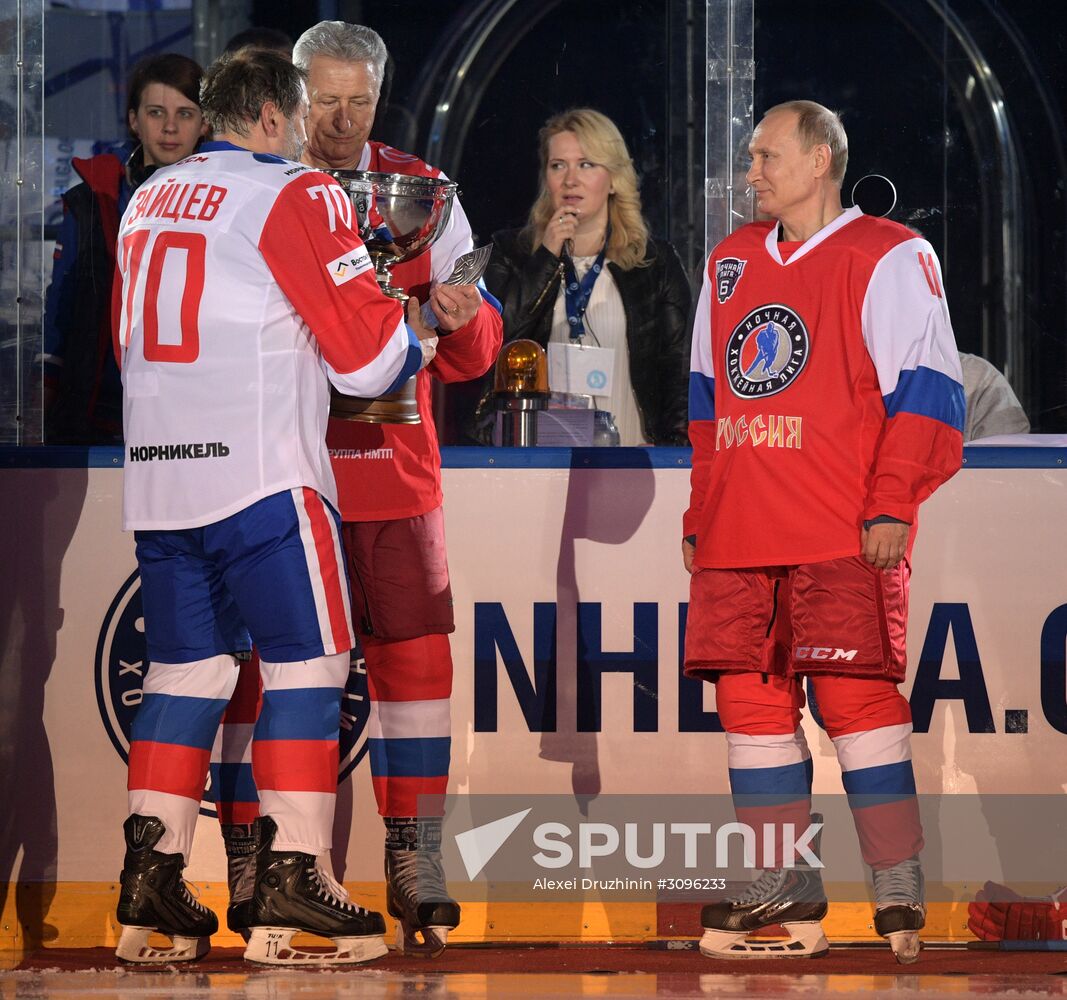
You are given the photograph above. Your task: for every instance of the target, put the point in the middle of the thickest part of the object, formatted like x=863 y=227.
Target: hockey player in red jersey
x=813 y=448
x=389 y=484
x=235 y=321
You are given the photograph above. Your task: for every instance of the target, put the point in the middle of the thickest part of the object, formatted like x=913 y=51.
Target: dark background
x=906 y=84
x=959 y=102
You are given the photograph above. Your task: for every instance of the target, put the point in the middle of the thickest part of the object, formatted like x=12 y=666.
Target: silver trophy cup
x=397 y=217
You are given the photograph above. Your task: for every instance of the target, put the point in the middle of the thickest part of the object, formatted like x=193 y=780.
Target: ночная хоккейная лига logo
x=766 y=352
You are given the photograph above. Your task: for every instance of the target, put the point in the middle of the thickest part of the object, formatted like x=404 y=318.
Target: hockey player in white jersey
x=244 y=294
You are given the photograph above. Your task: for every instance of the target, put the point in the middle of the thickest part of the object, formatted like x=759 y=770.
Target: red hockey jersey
x=825 y=390
x=388 y=471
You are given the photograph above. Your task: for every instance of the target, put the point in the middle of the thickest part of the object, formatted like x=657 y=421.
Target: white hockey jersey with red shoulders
x=825 y=390
x=390 y=471
x=245 y=291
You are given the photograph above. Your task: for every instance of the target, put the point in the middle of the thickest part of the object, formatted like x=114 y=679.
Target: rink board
x=543 y=536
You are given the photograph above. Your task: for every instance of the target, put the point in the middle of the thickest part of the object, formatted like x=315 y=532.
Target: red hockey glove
x=998 y=914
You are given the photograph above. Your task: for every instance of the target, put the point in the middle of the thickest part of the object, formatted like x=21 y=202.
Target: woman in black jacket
x=584 y=273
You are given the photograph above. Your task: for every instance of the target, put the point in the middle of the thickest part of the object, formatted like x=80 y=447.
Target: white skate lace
x=331 y=890
x=192 y=897
x=901 y=884
x=763 y=886
x=417 y=875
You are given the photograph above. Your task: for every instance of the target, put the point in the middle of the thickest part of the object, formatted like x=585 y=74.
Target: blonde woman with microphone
x=585 y=280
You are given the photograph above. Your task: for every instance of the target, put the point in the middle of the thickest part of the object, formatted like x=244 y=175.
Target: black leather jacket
x=656 y=299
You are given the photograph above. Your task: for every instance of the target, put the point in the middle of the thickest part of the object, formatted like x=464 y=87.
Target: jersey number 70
x=183 y=348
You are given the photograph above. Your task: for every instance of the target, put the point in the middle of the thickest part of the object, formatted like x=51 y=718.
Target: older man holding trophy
x=387 y=464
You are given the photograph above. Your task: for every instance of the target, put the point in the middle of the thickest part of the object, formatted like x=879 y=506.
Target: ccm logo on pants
x=823 y=653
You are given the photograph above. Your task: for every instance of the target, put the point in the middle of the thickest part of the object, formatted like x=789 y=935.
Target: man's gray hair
x=817 y=126
x=340 y=40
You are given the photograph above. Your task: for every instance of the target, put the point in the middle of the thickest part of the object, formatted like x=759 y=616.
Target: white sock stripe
x=746 y=751
x=177 y=813
x=215 y=677
x=311 y=558
x=874 y=747
x=391 y=720
x=305 y=819
x=322 y=671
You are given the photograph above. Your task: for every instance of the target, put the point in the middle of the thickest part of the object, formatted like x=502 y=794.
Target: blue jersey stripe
x=233 y=783
x=300 y=714
x=701 y=396
x=489 y=297
x=928 y=393
x=789 y=779
x=171 y=718
x=857 y=803
x=412 y=361
x=410 y=758
x=884 y=779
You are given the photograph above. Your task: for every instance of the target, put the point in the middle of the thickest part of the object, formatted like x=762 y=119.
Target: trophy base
x=400 y=407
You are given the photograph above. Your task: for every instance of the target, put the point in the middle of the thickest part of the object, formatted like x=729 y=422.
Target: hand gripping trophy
x=399 y=217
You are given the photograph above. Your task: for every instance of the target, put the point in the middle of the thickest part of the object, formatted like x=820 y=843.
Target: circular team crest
x=766 y=351
x=122 y=660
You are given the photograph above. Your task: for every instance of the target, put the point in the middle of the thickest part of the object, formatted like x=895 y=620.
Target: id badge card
x=580 y=369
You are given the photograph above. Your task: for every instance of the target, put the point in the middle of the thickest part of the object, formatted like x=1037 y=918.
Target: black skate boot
x=154 y=897
x=899 y=907
x=295 y=893
x=416 y=893
x=791 y=897
x=241 y=844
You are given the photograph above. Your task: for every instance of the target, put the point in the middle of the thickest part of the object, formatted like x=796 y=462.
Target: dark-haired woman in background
x=584 y=271
x=82 y=393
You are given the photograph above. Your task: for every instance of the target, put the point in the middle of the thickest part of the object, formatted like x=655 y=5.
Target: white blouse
x=605 y=326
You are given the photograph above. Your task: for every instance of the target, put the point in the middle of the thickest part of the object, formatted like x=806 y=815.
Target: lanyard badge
x=576 y=293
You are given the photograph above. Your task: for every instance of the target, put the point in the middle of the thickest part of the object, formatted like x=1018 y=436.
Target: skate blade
x=806 y=940
x=271 y=946
x=905 y=945
x=133 y=946
x=426 y=942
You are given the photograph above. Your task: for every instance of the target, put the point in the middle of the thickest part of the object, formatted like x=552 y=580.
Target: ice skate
x=416 y=892
x=790 y=897
x=241 y=843
x=899 y=908
x=155 y=898
x=294 y=893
